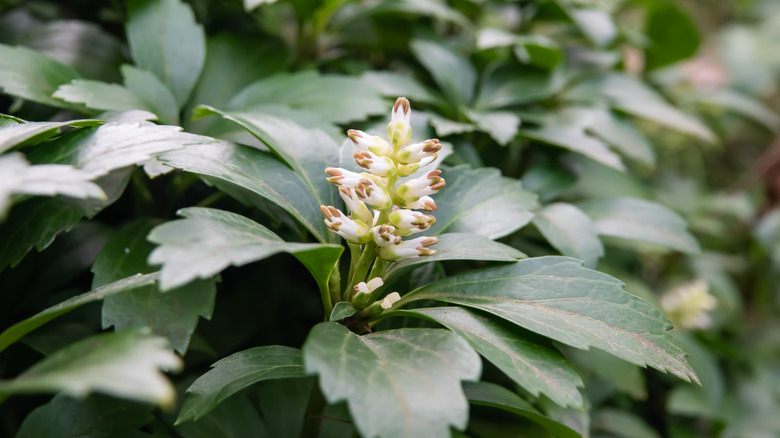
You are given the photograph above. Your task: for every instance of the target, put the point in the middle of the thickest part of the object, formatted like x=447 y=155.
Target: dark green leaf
x=452 y=72
x=20 y=134
x=334 y=98
x=237 y=417
x=174 y=314
x=558 y=298
x=165 y=40
x=620 y=422
x=744 y=104
x=645 y=221
x=236 y=372
x=98 y=151
x=97 y=415
x=207 y=241
x=463 y=246
x=570 y=231
x=386 y=394
x=125 y=364
x=481 y=201
x=672 y=33
x=624 y=376
x=394 y=84
x=538 y=369
x=342 y=310
x=16 y=331
x=622 y=136
x=31 y=75
x=247 y=173
x=489 y=394
x=307 y=152
x=20 y=178
x=510 y=85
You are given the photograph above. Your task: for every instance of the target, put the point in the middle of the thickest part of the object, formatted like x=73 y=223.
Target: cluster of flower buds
x=382 y=208
x=688 y=305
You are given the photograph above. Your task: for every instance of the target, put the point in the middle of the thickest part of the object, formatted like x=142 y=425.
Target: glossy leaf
x=334 y=98
x=236 y=372
x=538 y=369
x=21 y=134
x=558 y=298
x=308 y=152
x=16 y=331
x=672 y=33
x=124 y=364
x=207 y=241
x=501 y=125
x=21 y=178
x=452 y=72
x=386 y=396
x=174 y=314
x=621 y=135
x=30 y=75
x=645 y=221
x=508 y=85
x=237 y=417
x=463 y=246
x=490 y=394
x=142 y=91
x=481 y=201
x=98 y=151
x=165 y=40
x=394 y=84
x=247 y=173
x=570 y=231
x=107 y=416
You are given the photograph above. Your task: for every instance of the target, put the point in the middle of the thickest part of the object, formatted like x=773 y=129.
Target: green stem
x=379 y=268
x=334 y=283
x=354 y=256
x=365 y=262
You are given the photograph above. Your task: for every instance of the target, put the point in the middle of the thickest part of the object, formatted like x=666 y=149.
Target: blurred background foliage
x=595 y=103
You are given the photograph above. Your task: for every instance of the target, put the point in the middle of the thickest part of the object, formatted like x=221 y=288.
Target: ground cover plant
x=388 y=219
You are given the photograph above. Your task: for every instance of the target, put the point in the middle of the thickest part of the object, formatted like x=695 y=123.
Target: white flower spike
x=399 y=130
x=370 y=143
x=408 y=222
x=413 y=153
x=409 y=249
x=357 y=207
x=339 y=223
x=379 y=166
x=423 y=186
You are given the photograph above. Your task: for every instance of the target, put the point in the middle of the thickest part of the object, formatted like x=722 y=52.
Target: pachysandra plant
x=383 y=207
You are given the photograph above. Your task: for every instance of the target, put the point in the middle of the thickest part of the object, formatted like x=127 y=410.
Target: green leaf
x=566 y=128
x=247 y=173
x=394 y=84
x=16 y=331
x=490 y=394
x=644 y=221
x=237 y=417
x=620 y=422
x=510 y=85
x=174 y=314
x=25 y=133
x=501 y=125
x=334 y=98
x=558 y=298
x=463 y=246
x=98 y=415
x=98 y=151
x=621 y=135
x=672 y=33
x=596 y=24
x=207 y=241
x=20 y=178
x=481 y=201
x=570 y=231
x=236 y=372
x=538 y=369
x=142 y=91
x=165 y=40
x=636 y=98
x=386 y=394
x=624 y=376
x=308 y=152
x=743 y=104
x=452 y=72
x=341 y=310
x=31 y=75
x=124 y=364
x=36 y=222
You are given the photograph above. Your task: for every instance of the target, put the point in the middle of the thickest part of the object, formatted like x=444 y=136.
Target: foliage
x=208 y=225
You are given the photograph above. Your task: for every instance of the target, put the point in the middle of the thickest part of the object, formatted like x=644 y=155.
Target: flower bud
x=356 y=206
x=407 y=222
x=339 y=223
x=390 y=299
x=408 y=249
x=416 y=152
x=370 y=143
x=407 y=169
x=425 y=185
x=373 y=194
x=343 y=177
x=362 y=296
x=385 y=235
x=688 y=305
x=399 y=130
x=379 y=166
x=424 y=203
